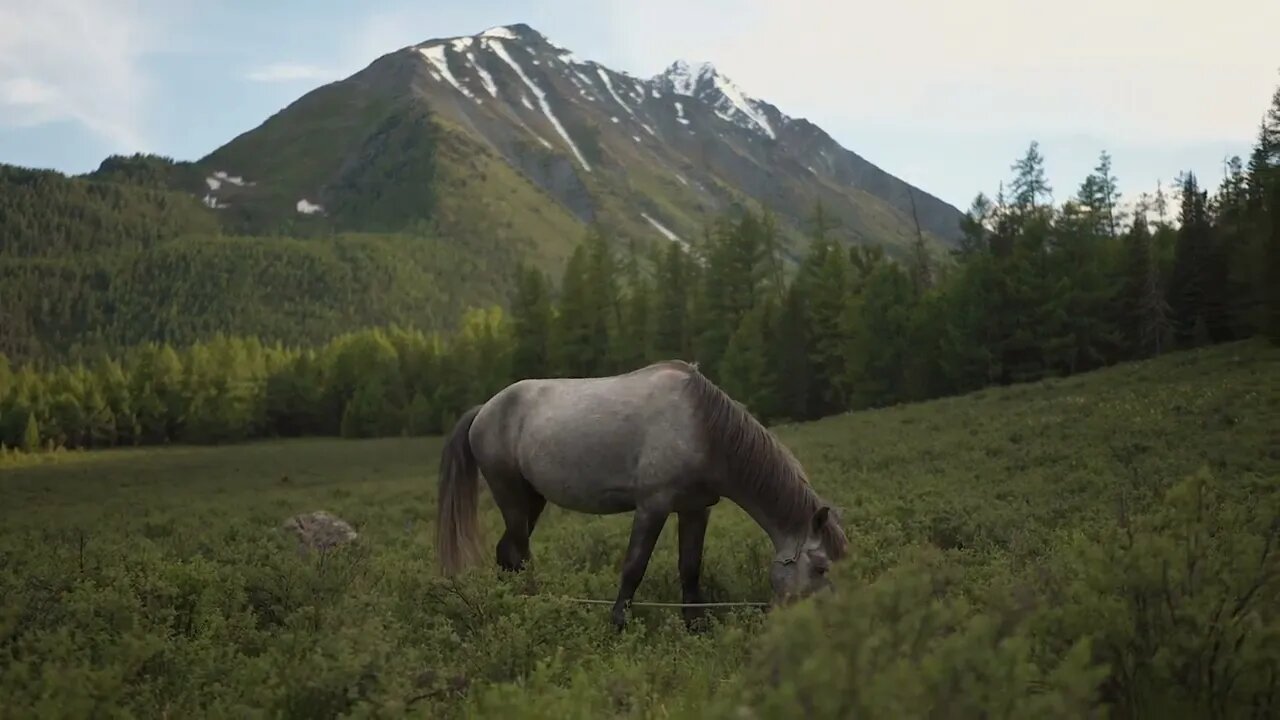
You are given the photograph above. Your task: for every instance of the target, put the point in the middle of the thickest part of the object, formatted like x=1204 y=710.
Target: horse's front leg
x=646 y=526
x=693 y=533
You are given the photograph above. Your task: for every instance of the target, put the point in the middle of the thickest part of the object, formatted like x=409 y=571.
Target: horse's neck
x=782 y=531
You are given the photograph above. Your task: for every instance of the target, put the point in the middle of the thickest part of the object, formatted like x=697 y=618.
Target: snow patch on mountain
x=485 y=78
x=704 y=82
x=233 y=179
x=742 y=104
x=680 y=118
x=501 y=52
x=435 y=55
x=499 y=32
x=609 y=86
x=666 y=232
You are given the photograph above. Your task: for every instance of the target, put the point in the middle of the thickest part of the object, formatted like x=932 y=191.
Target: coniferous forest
x=1036 y=289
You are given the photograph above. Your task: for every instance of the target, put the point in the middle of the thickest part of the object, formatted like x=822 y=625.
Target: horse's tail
x=457 y=527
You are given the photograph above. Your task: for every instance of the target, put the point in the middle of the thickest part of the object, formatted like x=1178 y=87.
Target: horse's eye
x=821 y=569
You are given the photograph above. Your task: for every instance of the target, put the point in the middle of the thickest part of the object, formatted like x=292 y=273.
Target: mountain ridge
x=610 y=147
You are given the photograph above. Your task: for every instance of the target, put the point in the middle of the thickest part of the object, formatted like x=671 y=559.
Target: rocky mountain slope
x=507 y=133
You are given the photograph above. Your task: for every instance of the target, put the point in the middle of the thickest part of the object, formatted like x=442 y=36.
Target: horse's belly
x=584 y=489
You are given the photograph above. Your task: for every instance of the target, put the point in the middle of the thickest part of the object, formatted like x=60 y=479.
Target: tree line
x=1035 y=289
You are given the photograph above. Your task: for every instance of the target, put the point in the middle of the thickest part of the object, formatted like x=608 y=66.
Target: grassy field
x=1103 y=543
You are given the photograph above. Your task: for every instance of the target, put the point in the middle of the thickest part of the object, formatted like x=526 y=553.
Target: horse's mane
x=756 y=460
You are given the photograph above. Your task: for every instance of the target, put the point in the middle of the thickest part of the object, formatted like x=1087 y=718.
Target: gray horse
x=658 y=440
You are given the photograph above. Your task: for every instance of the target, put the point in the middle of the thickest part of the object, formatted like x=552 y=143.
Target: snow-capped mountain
x=543 y=140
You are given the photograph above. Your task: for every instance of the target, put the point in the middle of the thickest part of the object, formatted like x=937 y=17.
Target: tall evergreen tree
x=1031 y=190
x=573 y=349
x=671 y=304
x=531 y=317
x=748 y=370
x=1187 y=285
x=1145 y=312
x=31 y=434
x=1271 y=320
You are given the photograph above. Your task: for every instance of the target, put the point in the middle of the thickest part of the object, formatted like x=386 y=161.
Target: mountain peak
x=683 y=77
x=515 y=31
x=703 y=81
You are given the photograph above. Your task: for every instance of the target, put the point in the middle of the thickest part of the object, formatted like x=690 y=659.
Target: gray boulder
x=320 y=530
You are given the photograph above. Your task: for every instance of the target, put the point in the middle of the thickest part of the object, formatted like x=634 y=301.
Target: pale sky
x=943 y=94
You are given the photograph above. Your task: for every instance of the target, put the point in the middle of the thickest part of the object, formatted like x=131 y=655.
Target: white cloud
x=291 y=72
x=75 y=60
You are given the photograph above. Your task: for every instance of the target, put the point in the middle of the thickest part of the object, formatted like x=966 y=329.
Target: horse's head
x=802 y=570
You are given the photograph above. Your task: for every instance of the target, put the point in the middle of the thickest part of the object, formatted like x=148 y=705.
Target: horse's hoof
x=695 y=620
x=619 y=618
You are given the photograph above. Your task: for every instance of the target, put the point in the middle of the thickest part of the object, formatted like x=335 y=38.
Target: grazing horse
x=659 y=440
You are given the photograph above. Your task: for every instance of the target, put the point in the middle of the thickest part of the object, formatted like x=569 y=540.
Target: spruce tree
x=572 y=350
x=1187 y=285
x=1272 y=274
x=747 y=372
x=1145 y=317
x=671 y=305
x=531 y=317
x=31 y=435
x=1031 y=188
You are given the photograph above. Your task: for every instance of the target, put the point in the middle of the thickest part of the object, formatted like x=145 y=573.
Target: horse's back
x=596 y=445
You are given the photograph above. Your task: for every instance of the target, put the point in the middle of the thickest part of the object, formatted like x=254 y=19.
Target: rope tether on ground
x=586 y=601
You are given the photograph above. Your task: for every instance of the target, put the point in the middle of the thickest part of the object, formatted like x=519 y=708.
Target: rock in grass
x=320 y=530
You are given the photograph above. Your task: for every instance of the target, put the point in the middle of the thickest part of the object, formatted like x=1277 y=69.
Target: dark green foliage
x=151 y=171
x=1271 y=277
x=31 y=434
x=44 y=214
x=280 y=289
x=390 y=185
x=1144 y=312
x=531 y=324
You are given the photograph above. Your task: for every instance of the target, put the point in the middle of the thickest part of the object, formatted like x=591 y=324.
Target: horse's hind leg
x=521 y=506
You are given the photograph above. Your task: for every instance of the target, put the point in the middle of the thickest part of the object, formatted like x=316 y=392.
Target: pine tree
x=606 y=298
x=1271 y=320
x=921 y=266
x=824 y=284
x=1145 y=317
x=1030 y=186
x=1187 y=285
x=531 y=318
x=876 y=330
x=795 y=371
x=671 y=311
x=732 y=283
x=31 y=435
x=747 y=371
x=1099 y=195
x=975 y=228
x=6 y=377
x=572 y=350
x=420 y=417
x=635 y=341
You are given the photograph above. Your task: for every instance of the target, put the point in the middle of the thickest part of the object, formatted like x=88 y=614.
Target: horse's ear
x=819 y=520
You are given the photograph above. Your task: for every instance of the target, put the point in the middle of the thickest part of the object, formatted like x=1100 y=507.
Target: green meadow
x=1103 y=545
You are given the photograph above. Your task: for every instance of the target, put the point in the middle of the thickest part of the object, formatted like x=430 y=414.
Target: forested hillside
x=1033 y=291
x=111 y=261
